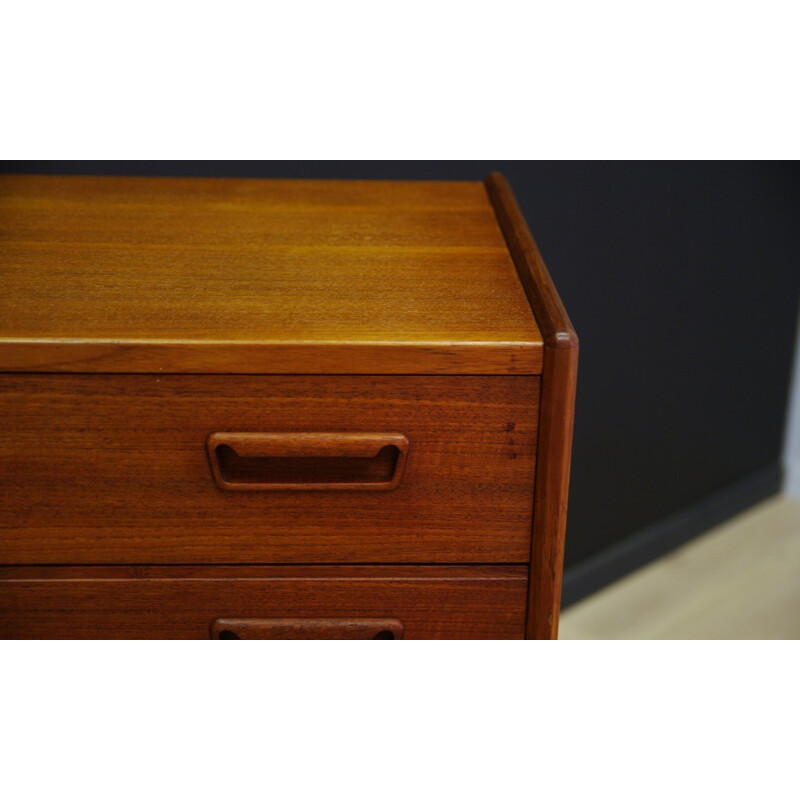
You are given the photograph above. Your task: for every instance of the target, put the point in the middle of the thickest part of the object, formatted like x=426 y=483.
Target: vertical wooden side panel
x=557 y=412
x=551 y=492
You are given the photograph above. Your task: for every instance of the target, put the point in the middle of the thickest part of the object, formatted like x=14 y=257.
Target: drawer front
x=263 y=602
x=105 y=469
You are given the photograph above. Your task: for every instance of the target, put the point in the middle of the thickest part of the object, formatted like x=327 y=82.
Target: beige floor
x=738 y=581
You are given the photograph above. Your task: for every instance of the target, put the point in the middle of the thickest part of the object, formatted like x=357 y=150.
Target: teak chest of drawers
x=279 y=409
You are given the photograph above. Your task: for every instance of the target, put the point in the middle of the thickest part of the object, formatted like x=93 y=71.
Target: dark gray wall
x=682 y=281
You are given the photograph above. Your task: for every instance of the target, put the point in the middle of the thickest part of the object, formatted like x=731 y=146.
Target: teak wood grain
x=257 y=276
x=559 y=378
x=150 y=327
x=184 y=602
x=304 y=628
x=318 y=461
x=103 y=469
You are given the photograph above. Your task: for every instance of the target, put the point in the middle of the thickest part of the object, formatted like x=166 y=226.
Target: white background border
x=364 y=80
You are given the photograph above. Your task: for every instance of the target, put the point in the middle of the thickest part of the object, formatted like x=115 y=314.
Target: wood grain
x=183 y=602
x=420 y=310
x=311 y=461
x=305 y=628
x=559 y=378
x=110 y=469
x=255 y=276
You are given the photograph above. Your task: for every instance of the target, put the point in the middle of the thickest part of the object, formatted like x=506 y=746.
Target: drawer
x=113 y=469
x=486 y=602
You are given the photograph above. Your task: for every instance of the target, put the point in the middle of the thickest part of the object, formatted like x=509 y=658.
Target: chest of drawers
x=279 y=409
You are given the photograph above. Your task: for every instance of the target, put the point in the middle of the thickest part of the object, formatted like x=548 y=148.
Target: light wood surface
x=184 y=602
x=103 y=469
x=559 y=378
x=204 y=275
x=738 y=581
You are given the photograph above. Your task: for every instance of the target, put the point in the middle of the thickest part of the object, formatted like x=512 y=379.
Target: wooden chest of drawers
x=279 y=409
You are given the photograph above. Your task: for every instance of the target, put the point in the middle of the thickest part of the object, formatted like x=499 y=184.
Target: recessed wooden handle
x=290 y=461
x=354 y=628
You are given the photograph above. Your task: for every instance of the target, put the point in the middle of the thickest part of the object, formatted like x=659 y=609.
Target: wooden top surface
x=262 y=276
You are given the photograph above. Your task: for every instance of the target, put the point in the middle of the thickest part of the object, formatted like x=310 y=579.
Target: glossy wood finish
x=256 y=276
x=303 y=628
x=182 y=360
x=557 y=412
x=103 y=469
x=184 y=602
